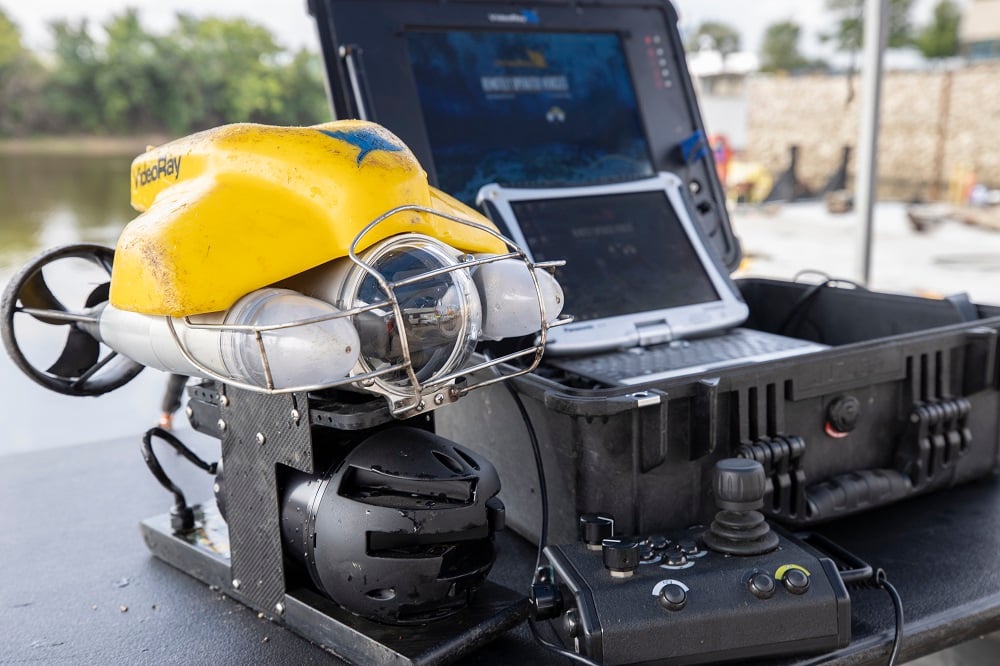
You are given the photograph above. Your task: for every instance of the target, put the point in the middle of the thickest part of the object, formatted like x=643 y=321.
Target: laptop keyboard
x=683 y=357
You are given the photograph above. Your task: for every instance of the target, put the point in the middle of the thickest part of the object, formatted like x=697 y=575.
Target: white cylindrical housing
x=510 y=300
x=313 y=354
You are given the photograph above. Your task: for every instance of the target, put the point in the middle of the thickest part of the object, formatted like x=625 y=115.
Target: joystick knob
x=738 y=528
x=621 y=557
x=594 y=528
x=739 y=484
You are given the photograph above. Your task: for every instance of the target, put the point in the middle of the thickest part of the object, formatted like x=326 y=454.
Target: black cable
x=897 y=602
x=543 y=537
x=536 y=450
x=562 y=652
x=808 y=296
x=181 y=515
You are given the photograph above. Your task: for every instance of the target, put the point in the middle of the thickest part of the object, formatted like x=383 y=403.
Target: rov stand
x=243 y=555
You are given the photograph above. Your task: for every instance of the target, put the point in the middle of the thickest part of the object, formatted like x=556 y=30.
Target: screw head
x=261 y=438
x=439 y=399
x=279 y=608
x=236 y=583
x=296 y=416
x=224 y=400
x=222 y=425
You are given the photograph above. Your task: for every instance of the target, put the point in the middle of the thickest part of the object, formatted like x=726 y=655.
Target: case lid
x=458 y=80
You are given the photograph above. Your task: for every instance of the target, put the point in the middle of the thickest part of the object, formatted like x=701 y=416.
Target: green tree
x=11 y=49
x=131 y=81
x=21 y=79
x=123 y=79
x=939 y=38
x=716 y=35
x=70 y=98
x=304 y=93
x=780 y=49
x=233 y=70
x=849 y=31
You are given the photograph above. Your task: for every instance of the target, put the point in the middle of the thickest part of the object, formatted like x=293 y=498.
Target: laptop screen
x=536 y=109
x=625 y=253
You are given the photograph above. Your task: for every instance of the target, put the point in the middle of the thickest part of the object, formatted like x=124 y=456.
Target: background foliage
x=119 y=78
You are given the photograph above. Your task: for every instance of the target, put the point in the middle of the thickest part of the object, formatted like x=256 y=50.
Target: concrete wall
x=932 y=124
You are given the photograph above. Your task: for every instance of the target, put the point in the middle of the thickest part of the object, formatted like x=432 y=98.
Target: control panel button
x=795 y=581
x=621 y=557
x=688 y=546
x=658 y=541
x=761 y=585
x=673 y=597
x=675 y=557
x=594 y=528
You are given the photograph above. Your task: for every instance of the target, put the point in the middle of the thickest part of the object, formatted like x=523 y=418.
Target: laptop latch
x=653 y=332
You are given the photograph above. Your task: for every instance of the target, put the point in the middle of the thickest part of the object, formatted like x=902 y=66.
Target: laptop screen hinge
x=653 y=332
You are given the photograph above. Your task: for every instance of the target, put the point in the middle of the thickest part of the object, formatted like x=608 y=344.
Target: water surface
x=48 y=200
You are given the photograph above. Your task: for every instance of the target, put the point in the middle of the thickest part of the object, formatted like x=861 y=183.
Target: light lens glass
x=441 y=314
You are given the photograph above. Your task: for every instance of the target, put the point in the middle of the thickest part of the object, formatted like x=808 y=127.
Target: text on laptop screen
x=625 y=253
x=527 y=109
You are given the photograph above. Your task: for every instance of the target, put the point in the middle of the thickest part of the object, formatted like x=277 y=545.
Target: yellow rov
x=232 y=209
x=281 y=259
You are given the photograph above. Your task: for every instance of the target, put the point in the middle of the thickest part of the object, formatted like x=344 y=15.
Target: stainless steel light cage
x=404 y=400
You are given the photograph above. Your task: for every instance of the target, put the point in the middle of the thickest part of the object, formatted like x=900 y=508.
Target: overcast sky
x=291 y=23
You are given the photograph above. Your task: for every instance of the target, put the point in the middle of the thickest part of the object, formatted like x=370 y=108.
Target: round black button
x=688 y=546
x=796 y=581
x=658 y=541
x=761 y=585
x=675 y=557
x=673 y=597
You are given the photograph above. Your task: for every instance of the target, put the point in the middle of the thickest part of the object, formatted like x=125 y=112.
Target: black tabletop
x=77 y=584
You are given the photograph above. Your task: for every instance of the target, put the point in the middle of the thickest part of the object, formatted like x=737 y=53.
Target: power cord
x=557 y=649
x=536 y=450
x=543 y=495
x=809 y=295
x=882 y=581
x=181 y=515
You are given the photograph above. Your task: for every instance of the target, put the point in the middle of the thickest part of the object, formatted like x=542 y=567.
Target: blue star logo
x=365 y=139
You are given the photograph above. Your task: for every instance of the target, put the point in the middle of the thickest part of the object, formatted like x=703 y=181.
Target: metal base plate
x=204 y=554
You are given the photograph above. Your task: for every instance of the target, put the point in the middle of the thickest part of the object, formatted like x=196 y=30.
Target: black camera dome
x=402 y=530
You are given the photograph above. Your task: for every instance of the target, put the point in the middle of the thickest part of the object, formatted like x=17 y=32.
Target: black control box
x=699 y=606
x=735 y=590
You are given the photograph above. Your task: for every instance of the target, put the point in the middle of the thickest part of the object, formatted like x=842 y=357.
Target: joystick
x=738 y=528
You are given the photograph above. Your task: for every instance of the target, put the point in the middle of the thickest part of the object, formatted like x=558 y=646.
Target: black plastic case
x=904 y=402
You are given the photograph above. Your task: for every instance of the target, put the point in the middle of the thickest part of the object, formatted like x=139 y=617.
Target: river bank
x=80 y=145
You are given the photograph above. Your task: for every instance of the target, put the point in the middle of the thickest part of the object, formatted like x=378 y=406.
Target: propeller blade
x=36 y=294
x=82 y=351
x=99 y=295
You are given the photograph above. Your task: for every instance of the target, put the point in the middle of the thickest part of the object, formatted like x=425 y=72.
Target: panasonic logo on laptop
x=524 y=16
